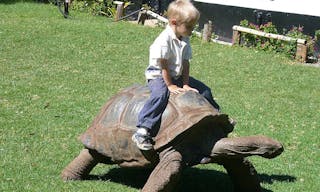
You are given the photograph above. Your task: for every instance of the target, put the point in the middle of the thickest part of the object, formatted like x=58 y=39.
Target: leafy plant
x=98 y=7
x=297 y=32
x=262 y=43
x=317 y=34
x=268 y=44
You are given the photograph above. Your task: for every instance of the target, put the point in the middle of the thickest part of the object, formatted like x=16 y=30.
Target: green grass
x=55 y=74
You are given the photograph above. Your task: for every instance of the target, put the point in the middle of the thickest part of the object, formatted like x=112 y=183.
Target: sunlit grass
x=55 y=74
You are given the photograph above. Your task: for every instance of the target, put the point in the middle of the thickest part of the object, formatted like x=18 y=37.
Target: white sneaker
x=144 y=142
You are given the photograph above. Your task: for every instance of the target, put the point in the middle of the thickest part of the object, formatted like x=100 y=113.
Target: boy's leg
x=204 y=91
x=151 y=113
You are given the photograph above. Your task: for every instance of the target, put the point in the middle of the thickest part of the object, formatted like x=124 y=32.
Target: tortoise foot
x=80 y=167
x=68 y=175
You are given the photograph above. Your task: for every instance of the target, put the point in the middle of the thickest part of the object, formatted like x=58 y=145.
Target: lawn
x=55 y=74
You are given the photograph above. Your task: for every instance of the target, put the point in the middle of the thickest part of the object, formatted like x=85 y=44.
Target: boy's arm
x=167 y=78
x=185 y=76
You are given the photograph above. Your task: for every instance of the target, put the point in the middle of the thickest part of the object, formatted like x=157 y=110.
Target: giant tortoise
x=191 y=132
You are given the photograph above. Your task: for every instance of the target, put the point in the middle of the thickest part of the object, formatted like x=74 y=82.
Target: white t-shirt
x=168 y=46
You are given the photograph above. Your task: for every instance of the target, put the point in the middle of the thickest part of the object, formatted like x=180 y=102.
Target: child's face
x=185 y=29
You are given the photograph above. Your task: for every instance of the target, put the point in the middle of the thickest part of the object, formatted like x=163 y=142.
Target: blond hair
x=183 y=11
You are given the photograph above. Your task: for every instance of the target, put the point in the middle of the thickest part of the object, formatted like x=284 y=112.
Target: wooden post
x=142 y=16
x=207 y=32
x=236 y=37
x=301 y=54
x=119 y=12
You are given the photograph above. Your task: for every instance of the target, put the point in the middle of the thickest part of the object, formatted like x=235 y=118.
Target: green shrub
x=268 y=44
x=317 y=34
x=94 y=7
x=97 y=7
x=297 y=32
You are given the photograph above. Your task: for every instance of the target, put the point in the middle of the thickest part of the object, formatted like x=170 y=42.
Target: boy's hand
x=175 y=89
x=188 y=88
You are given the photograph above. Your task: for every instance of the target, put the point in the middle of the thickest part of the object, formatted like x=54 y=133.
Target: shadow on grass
x=193 y=179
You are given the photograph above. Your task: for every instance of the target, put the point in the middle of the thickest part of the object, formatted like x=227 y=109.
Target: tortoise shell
x=111 y=131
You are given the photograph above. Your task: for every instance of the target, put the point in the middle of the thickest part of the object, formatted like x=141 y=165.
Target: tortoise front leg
x=243 y=175
x=166 y=174
x=81 y=166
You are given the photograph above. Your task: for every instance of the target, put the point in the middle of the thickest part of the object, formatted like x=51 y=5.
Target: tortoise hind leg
x=81 y=166
x=243 y=175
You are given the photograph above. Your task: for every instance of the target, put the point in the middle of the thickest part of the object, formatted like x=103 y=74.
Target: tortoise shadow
x=193 y=179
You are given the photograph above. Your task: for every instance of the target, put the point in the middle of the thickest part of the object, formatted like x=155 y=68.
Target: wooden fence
x=301 y=53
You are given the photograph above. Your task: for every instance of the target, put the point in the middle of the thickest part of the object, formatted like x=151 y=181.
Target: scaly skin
x=81 y=166
x=166 y=174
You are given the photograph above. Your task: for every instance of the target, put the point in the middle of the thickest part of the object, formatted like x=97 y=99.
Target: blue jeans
x=150 y=115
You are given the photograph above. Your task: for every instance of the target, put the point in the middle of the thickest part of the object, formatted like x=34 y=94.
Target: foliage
x=56 y=73
x=317 y=34
x=97 y=7
x=268 y=44
x=297 y=32
x=262 y=43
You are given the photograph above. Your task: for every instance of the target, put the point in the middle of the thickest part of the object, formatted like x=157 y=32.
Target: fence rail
x=301 y=53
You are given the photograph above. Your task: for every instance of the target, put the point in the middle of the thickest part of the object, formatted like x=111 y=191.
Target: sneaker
x=144 y=142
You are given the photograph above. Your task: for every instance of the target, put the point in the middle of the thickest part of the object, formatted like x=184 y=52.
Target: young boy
x=168 y=70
